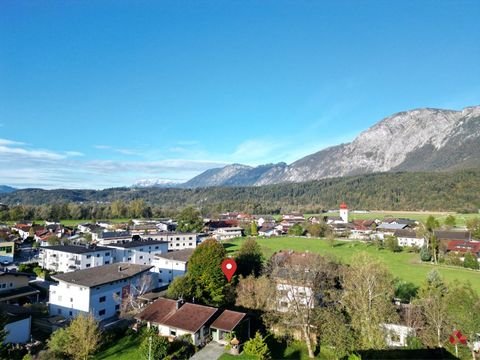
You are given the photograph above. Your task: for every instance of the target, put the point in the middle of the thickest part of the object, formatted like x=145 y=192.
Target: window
x=189 y=244
x=11 y=284
x=89 y=256
x=129 y=259
x=160 y=271
x=173 y=332
x=88 y=265
x=156 y=247
x=70 y=313
x=283 y=304
x=177 y=238
x=189 y=238
x=59 y=311
x=118 y=293
x=101 y=312
x=117 y=307
x=102 y=299
x=107 y=254
x=141 y=250
x=71 y=299
x=177 y=244
x=98 y=255
x=107 y=262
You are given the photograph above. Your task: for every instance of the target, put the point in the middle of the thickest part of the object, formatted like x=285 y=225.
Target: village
x=120 y=274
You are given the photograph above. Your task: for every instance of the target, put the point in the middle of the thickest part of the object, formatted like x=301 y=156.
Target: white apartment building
x=225 y=233
x=139 y=252
x=176 y=241
x=409 y=238
x=171 y=265
x=65 y=258
x=99 y=291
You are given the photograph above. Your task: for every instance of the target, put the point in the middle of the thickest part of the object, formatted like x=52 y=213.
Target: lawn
x=125 y=348
x=404 y=265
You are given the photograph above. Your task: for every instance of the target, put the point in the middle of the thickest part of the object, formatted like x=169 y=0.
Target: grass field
x=124 y=349
x=404 y=265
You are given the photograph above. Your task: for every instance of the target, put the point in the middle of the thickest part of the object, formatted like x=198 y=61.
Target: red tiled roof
x=190 y=317
x=228 y=320
x=464 y=246
x=159 y=311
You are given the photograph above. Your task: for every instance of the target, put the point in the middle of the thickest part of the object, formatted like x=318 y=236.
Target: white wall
x=168 y=269
x=68 y=298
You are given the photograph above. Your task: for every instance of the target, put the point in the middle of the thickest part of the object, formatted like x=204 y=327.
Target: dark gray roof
x=180 y=255
x=76 y=249
x=138 y=243
x=452 y=235
x=102 y=274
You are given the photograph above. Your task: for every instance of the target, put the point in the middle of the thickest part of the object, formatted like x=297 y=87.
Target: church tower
x=344 y=212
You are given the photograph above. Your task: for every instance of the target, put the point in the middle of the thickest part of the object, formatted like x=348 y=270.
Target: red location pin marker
x=229 y=266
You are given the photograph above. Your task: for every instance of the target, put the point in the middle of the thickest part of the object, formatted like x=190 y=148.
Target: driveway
x=212 y=351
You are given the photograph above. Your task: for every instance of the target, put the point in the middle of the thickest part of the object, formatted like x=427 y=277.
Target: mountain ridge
x=423 y=139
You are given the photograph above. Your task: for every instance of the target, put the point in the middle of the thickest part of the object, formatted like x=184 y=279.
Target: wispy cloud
x=123 y=151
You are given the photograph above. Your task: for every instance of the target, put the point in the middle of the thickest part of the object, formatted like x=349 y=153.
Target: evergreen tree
x=257 y=347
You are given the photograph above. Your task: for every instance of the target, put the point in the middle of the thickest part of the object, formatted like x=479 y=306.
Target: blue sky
x=97 y=94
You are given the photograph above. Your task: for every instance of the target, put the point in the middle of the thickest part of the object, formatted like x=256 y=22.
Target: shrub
x=425 y=254
x=257 y=347
x=470 y=261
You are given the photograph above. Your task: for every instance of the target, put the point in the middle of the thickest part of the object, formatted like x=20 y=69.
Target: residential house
x=138 y=251
x=15 y=287
x=461 y=247
x=18 y=324
x=230 y=322
x=294 y=283
x=396 y=335
x=65 y=258
x=116 y=238
x=444 y=237
x=227 y=233
x=99 y=291
x=176 y=241
x=23 y=229
x=105 y=236
x=170 y=265
x=175 y=318
x=409 y=238
x=268 y=231
x=7 y=251
x=386 y=229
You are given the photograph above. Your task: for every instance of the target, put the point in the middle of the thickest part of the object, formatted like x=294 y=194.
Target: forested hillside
x=454 y=191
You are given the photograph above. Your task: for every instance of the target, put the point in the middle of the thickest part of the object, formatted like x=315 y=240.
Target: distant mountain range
x=6 y=189
x=417 y=140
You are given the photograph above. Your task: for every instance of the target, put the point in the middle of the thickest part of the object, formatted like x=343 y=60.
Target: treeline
x=434 y=191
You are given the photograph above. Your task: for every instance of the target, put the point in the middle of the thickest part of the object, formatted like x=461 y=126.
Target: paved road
x=212 y=351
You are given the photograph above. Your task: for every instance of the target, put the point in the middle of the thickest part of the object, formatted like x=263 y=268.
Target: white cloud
x=74 y=153
x=10 y=142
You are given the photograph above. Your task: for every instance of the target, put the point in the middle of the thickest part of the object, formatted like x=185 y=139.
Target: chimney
x=179 y=304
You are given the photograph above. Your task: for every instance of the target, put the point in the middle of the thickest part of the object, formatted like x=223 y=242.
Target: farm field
x=404 y=265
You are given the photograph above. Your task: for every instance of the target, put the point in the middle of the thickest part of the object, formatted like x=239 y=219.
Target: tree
x=432 y=297
x=391 y=243
x=153 y=346
x=296 y=230
x=205 y=280
x=59 y=342
x=255 y=293
x=428 y=230
x=464 y=311
x=425 y=254
x=180 y=287
x=189 y=220
x=78 y=341
x=367 y=297
x=253 y=228
x=257 y=347
x=473 y=225
x=317 y=230
x=249 y=258
x=303 y=281
x=131 y=303
x=335 y=331
x=405 y=291
x=450 y=221
x=470 y=261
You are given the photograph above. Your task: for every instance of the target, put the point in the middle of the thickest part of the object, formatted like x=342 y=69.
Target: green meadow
x=404 y=265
